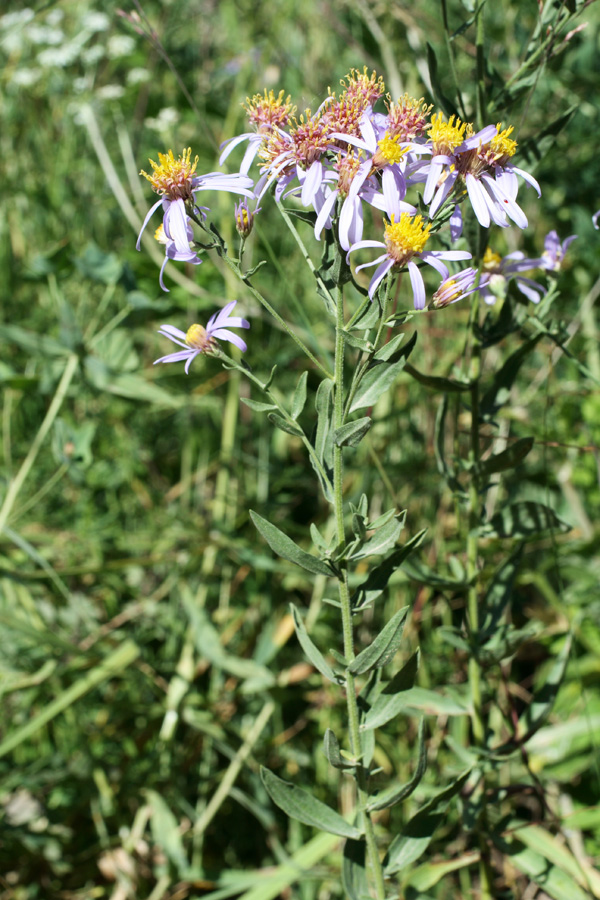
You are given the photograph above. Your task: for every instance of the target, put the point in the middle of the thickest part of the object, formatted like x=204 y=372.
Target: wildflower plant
x=364 y=171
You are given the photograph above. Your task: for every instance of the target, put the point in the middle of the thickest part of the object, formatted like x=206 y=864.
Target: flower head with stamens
x=407 y=118
x=173 y=178
x=177 y=183
x=266 y=111
x=198 y=339
x=404 y=241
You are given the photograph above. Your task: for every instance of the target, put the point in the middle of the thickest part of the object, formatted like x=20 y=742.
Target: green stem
x=479 y=43
x=346 y=609
x=234 y=267
x=17 y=483
x=474 y=669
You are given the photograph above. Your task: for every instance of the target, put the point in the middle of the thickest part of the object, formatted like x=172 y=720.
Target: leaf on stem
x=352 y=433
x=331 y=748
x=375 y=382
x=299 y=804
x=508 y=458
x=285 y=547
x=416 y=835
x=378 y=577
x=524 y=520
x=311 y=650
x=383 y=648
x=396 y=793
x=284 y=425
x=383 y=539
x=299 y=398
x=354 y=875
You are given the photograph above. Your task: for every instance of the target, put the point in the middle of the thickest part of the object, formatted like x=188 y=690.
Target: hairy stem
x=344 y=595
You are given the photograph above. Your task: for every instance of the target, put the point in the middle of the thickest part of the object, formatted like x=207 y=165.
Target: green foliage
x=146 y=625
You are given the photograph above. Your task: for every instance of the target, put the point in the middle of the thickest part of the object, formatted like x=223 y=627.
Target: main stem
x=478 y=723
x=344 y=595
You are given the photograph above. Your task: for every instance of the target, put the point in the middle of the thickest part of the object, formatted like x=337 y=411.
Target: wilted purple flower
x=454 y=288
x=198 y=339
x=172 y=251
x=554 y=251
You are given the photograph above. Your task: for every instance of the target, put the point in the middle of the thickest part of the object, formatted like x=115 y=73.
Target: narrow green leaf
x=352 y=433
x=392 y=698
x=383 y=648
x=445 y=469
x=299 y=804
x=436 y=86
x=284 y=425
x=311 y=650
x=416 y=835
x=257 y=405
x=524 y=520
x=429 y=874
x=374 y=383
x=331 y=748
x=509 y=458
x=543 y=700
x=378 y=577
x=284 y=546
x=444 y=385
x=354 y=875
x=165 y=832
x=394 y=351
x=396 y=793
x=412 y=700
x=498 y=594
x=299 y=398
x=554 y=882
x=383 y=539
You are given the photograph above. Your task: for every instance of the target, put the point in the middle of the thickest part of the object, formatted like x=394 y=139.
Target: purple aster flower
x=595 y=218
x=198 y=339
x=175 y=180
x=554 y=251
x=481 y=162
x=404 y=241
x=498 y=271
x=173 y=251
x=454 y=288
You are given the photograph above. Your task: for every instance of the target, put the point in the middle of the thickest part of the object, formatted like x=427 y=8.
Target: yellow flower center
x=388 y=152
x=159 y=234
x=447 y=136
x=197 y=338
x=173 y=177
x=491 y=260
x=502 y=144
x=406 y=238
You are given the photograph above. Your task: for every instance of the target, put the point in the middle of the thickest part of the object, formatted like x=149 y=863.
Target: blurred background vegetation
x=147 y=661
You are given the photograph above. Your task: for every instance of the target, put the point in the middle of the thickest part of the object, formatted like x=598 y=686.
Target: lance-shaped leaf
x=299 y=804
x=418 y=831
x=383 y=539
x=398 y=792
x=392 y=698
x=258 y=405
x=498 y=594
x=354 y=875
x=509 y=458
x=375 y=382
x=299 y=398
x=284 y=425
x=415 y=700
x=281 y=544
x=331 y=748
x=352 y=433
x=444 y=467
x=323 y=443
x=383 y=648
x=443 y=385
x=378 y=577
x=543 y=700
x=524 y=520
x=499 y=392
x=313 y=652
x=393 y=351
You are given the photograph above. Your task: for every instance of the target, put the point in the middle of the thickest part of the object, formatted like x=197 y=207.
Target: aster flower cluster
x=349 y=164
